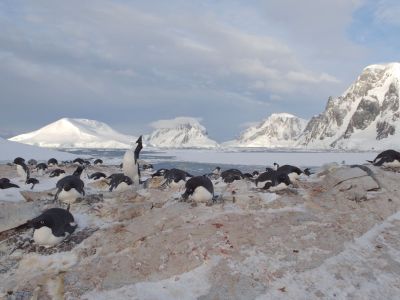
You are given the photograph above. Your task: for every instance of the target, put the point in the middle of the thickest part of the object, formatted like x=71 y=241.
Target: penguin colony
x=55 y=224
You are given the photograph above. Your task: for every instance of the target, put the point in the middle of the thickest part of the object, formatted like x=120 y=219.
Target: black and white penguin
x=69 y=188
x=32 y=181
x=160 y=173
x=292 y=171
x=22 y=168
x=78 y=171
x=215 y=174
x=199 y=189
x=120 y=182
x=97 y=175
x=130 y=165
x=147 y=167
x=267 y=176
x=79 y=161
x=175 y=177
x=98 y=162
x=278 y=181
x=231 y=175
x=41 y=168
x=32 y=162
x=5 y=183
x=56 y=173
x=52 y=162
x=52 y=226
x=387 y=158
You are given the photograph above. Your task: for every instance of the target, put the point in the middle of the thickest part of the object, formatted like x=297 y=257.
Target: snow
x=189 y=285
x=352 y=274
x=181 y=132
x=76 y=133
x=278 y=130
x=10 y=150
x=267 y=158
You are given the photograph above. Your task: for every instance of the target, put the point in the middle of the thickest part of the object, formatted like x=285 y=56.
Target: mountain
x=76 y=133
x=277 y=131
x=366 y=116
x=181 y=132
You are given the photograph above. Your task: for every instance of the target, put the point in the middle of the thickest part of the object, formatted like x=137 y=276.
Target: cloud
x=388 y=12
x=130 y=63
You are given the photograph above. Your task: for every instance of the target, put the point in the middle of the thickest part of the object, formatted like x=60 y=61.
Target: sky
x=228 y=63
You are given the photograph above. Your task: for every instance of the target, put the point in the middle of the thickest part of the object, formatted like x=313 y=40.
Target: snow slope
x=76 y=133
x=365 y=117
x=10 y=150
x=277 y=131
x=181 y=132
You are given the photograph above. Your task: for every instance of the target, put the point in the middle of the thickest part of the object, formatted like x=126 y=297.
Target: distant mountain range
x=365 y=117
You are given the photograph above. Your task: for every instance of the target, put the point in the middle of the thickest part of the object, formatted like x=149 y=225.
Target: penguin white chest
x=129 y=168
x=69 y=196
x=123 y=186
x=21 y=172
x=201 y=194
x=392 y=164
x=44 y=236
x=293 y=176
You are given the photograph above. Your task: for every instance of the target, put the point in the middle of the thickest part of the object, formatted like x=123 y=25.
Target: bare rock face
x=365 y=117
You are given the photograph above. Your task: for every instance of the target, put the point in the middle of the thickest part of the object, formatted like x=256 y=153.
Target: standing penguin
x=22 y=168
x=130 y=165
x=69 y=188
x=52 y=226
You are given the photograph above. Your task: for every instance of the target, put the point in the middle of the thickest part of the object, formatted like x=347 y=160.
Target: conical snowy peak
x=277 y=131
x=365 y=117
x=76 y=133
x=181 y=132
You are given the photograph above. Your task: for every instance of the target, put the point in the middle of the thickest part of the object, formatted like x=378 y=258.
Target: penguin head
x=307 y=171
x=139 y=140
x=127 y=180
x=255 y=173
x=276 y=166
x=78 y=171
x=19 y=161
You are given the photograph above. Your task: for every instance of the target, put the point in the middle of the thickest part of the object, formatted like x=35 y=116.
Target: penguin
x=292 y=171
x=32 y=162
x=41 y=168
x=119 y=182
x=130 y=165
x=52 y=226
x=98 y=162
x=97 y=175
x=56 y=173
x=199 y=188
x=174 y=177
x=78 y=171
x=215 y=174
x=52 y=162
x=6 y=184
x=32 y=181
x=389 y=158
x=147 y=167
x=160 y=172
x=69 y=188
x=265 y=177
x=231 y=175
x=277 y=180
x=22 y=168
x=78 y=161
x=86 y=163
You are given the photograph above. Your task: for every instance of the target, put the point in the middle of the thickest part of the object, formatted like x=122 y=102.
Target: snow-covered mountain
x=277 y=131
x=76 y=133
x=181 y=132
x=365 y=117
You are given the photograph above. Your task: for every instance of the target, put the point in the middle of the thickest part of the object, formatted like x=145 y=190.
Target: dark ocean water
x=160 y=160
